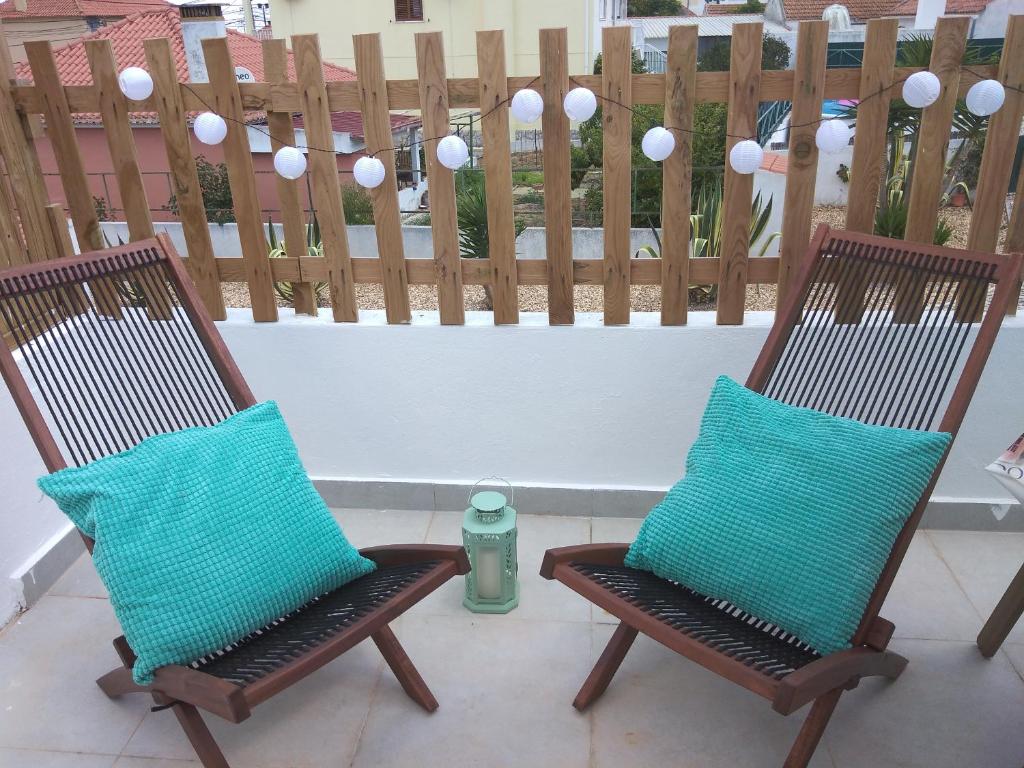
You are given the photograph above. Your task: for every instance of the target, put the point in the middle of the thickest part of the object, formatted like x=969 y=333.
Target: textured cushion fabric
x=788 y=513
x=205 y=535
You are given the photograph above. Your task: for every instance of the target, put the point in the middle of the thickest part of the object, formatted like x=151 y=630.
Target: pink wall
x=153 y=163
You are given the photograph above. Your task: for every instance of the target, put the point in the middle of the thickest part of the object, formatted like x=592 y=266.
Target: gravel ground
x=644 y=298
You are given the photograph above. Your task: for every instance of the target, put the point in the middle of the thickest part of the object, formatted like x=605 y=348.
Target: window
x=408 y=10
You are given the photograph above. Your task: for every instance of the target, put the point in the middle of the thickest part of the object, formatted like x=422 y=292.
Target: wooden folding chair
x=877 y=330
x=102 y=381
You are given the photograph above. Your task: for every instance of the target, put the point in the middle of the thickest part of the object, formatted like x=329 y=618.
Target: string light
x=527 y=106
x=833 y=136
x=135 y=83
x=985 y=97
x=921 y=89
x=210 y=128
x=580 y=104
x=658 y=143
x=452 y=152
x=290 y=162
x=745 y=156
x=369 y=172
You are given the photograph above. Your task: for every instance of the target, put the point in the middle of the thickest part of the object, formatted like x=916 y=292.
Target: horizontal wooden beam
x=478 y=271
x=776 y=85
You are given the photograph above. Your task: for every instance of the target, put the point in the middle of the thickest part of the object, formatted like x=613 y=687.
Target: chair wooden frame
x=187 y=689
x=822 y=680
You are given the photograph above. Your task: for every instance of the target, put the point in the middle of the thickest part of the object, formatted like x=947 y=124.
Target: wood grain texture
x=617 y=123
x=373 y=97
x=464 y=92
x=680 y=99
x=490 y=56
x=933 y=139
x=12 y=248
x=744 y=86
x=282 y=133
x=323 y=172
x=185 y=179
x=444 y=224
x=227 y=102
x=1015 y=238
x=808 y=85
x=554 y=73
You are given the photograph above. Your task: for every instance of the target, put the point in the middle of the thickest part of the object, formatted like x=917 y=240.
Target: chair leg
x=606 y=666
x=1004 y=617
x=118 y=682
x=199 y=736
x=814 y=726
x=403 y=668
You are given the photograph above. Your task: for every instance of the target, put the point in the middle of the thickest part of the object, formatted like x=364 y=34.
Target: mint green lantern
x=489 y=535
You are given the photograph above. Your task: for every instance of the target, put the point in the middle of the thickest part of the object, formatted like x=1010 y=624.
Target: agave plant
x=891 y=215
x=314 y=247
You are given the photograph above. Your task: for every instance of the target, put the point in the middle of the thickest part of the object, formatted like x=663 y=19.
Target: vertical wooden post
x=501 y=233
x=996 y=161
x=617 y=123
x=59 y=228
x=744 y=87
x=373 y=98
x=554 y=73
x=869 y=152
x=680 y=100
x=22 y=163
x=184 y=177
x=433 y=86
x=808 y=88
x=1015 y=238
x=930 y=154
x=282 y=133
x=12 y=249
x=323 y=170
x=227 y=102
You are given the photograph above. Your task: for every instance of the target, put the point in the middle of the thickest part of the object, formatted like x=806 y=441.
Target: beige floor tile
x=80 y=580
x=30 y=758
x=49 y=661
x=372 y=527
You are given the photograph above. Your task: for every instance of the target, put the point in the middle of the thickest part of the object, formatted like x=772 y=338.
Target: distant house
x=651 y=33
x=62 y=21
x=989 y=17
x=126 y=37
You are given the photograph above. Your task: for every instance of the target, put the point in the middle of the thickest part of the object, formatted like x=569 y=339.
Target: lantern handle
x=511 y=490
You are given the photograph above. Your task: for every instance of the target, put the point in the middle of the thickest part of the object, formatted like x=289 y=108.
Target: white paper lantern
x=985 y=97
x=527 y=106
x=135 y=83
x=580 y=104
x=921 y=89
x=658 y=143
x=369 y=172
x=290 y=162
x=833 y=136
x=745 y=157
x=452 y=152
x=210 y=128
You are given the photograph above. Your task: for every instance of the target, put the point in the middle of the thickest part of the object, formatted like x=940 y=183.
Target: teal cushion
x=787 y=513
x=205 y=535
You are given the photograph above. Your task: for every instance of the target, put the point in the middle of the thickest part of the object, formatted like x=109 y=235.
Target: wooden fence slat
x=554 y=74
x=323 y=170
x=59 y=228
x=870 y=148
x=282 y=133
x=1014 y=242
x=809 y=82
x=1000 y=146
x=444 y=223
x=373 y=96
x=227 y=102
x=501 y=233
x=184 y=176
x=617 y=124
x=17 y=147
x=676 y=203
x=12 y=249
x=930 y=154
x=744 y=85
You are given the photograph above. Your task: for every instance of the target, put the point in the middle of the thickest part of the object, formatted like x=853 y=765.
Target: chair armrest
x=403 y=554
x=192 y=686
x=599 y=554
x=830 y=672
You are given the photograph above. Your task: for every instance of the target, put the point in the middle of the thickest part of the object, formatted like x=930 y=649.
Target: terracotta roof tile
x=860 y=10
x=722 y=9
x=954 y=7
x=58 y=9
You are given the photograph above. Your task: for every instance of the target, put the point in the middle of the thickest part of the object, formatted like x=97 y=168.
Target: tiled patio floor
x=505 y=683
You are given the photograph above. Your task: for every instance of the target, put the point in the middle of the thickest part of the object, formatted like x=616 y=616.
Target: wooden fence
x=41 y=233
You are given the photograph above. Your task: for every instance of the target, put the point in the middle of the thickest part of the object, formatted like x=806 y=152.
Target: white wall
x=582 y=406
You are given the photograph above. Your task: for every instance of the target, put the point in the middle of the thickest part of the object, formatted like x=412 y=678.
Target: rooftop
x=707 y=26
x=950 y=708
x=62 y=9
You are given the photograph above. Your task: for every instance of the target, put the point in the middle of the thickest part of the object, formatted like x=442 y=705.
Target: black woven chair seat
x=715 y=623
x=267 y=649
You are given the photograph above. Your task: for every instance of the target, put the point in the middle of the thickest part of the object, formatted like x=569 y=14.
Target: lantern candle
x=489 y=535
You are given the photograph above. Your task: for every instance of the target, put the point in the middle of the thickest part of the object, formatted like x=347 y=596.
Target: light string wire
x=410 y=145
x=574 y=81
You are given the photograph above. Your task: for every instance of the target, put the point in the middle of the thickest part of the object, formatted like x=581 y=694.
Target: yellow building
x=398 y=21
